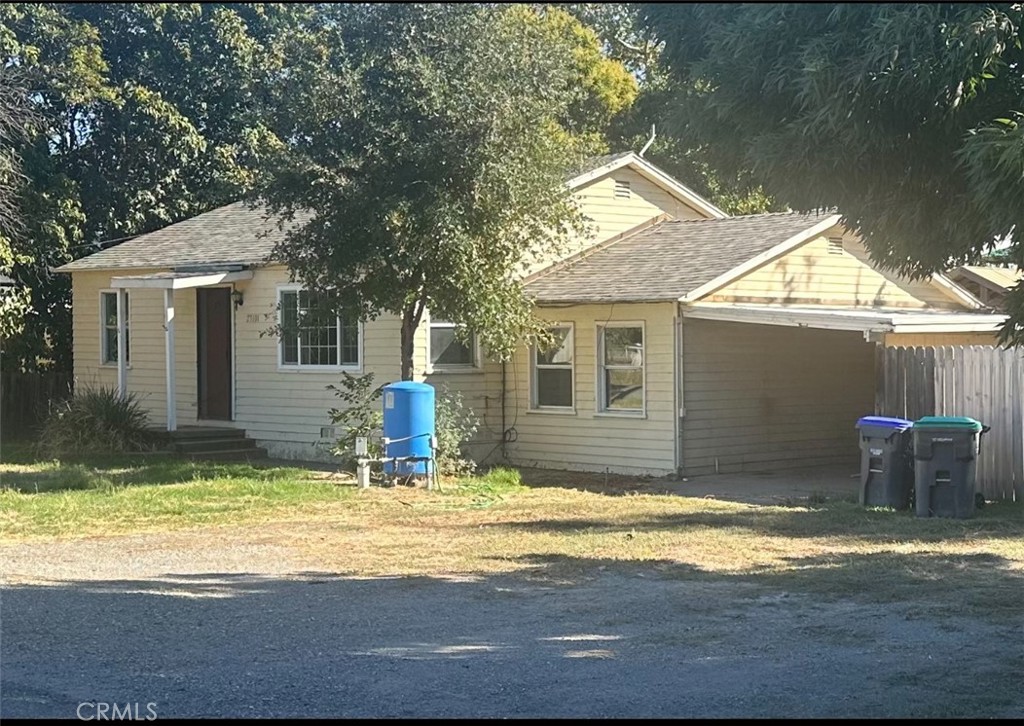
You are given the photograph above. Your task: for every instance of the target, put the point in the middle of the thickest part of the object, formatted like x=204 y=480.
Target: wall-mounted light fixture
x=236 y=297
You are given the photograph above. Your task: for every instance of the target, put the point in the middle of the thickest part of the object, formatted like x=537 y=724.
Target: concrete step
x=197 y=445
x=190 y=433
x=253 y=454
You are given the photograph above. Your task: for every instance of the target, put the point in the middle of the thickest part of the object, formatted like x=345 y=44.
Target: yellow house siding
x=285 y=409
x=761 y=397
x=588 y=440
x=814 y=275
x=936 y=339
x=147 y=370
x=609 y=215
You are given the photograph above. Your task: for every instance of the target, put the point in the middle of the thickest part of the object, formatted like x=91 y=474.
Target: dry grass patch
x=493 y=525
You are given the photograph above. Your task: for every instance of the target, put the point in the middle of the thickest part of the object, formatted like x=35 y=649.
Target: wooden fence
x=982 y=382
x=25 y=399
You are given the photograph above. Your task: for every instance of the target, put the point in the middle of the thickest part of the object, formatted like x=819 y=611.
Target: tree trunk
x=410 y=322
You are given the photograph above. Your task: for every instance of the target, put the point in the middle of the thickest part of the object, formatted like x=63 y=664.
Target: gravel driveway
x=200 y=629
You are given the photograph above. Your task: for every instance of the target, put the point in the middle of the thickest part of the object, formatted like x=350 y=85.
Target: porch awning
x=871 y=320
x=179 y=280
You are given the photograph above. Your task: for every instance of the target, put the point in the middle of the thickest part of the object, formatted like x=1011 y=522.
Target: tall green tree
x=624 y=38
x=150 y=114
x=907 y=117
x=428 y=144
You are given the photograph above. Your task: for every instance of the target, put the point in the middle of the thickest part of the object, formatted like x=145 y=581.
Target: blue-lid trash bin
x=945 y=458
x=886 y=464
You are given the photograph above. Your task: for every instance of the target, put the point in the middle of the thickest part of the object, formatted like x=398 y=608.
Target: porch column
x=172 y=418
x=122 y=339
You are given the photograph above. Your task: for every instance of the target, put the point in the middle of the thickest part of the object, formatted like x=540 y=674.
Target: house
x=688 y=341
x=989 y=283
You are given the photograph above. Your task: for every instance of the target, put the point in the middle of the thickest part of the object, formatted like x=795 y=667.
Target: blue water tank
x=408 y=425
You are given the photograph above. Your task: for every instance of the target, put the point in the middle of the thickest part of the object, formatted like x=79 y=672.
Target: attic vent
x=621 y=189
x=835 y=245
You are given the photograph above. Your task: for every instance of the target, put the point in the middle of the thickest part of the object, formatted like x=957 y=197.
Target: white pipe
x=650 y=141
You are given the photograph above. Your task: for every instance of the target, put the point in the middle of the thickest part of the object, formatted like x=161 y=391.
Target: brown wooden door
x=213 y=352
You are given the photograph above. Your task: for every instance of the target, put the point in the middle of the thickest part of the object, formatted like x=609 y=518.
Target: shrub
x=96 y=420
x=363 y=416
x=455 y=423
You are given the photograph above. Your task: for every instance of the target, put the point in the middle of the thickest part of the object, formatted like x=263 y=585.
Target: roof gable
x=673 y=260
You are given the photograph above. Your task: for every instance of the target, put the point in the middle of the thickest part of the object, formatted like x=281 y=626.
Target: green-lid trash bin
x=945 y=460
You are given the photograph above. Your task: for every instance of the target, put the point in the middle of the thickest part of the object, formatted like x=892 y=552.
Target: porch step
x=250 y=454
x=197 y=445
x=214 y=443
x=189 y=433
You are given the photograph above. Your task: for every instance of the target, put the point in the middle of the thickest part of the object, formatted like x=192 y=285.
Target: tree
x=149 y=114
x=625 y=38
x=16 y=121
x=908 y=118
x=424 y=143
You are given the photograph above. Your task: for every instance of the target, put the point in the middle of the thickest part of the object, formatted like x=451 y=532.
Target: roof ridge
x=760 y=215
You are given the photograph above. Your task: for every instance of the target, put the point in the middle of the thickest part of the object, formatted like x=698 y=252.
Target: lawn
x=492 y=524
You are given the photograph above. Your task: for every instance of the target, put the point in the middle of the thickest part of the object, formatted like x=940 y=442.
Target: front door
x=213 y=352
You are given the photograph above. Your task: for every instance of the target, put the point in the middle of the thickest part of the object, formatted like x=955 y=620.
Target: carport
x=773 y=388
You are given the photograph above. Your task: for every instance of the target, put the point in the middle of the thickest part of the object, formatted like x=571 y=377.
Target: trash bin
x=886 y=465
x=945 y=457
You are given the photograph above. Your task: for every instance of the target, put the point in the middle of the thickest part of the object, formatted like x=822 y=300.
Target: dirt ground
x=236 y=622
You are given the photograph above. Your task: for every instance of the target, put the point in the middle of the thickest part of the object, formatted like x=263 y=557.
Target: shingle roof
x=594 y=162
x=234 y=233
x=668 y=260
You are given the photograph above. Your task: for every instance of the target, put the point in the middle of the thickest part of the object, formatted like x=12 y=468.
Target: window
x=311 y=339
x=621 y=359
x=553 y=371
x=622 y=190
x=108 y=318
x=447 y=351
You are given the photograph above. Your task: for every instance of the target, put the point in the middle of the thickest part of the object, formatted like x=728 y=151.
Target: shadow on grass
x=835 y=520
x=132 y=470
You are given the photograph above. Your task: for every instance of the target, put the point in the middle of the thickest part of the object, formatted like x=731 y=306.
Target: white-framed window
x=108 y=327
x=447 y=352
x=308 y=340
x=554 y=372
x=621 y=373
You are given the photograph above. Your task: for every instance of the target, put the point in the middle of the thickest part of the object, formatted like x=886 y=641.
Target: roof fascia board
x=956 y=292
x=180 y=283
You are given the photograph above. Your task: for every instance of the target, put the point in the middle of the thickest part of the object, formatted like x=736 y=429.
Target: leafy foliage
x=149 y=114
x=905 y=117
x=96 y=420
x=360 y=416
x=455 y=424
x=426 y=142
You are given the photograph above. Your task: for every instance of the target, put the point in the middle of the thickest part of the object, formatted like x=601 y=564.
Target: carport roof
x=675 y=260
x=882 y=320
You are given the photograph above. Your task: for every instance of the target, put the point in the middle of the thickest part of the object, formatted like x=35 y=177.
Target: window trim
x=432 y=368
x=313 y=368
x=599 y=389
x=103 y=327
x=535 y=406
